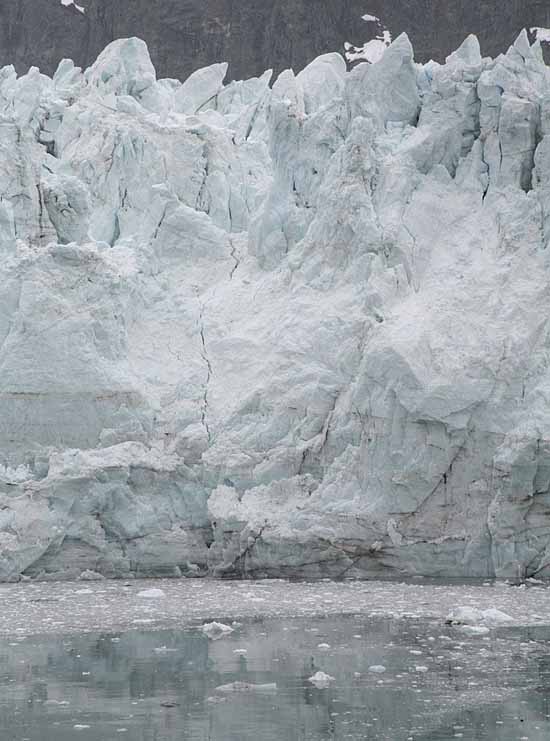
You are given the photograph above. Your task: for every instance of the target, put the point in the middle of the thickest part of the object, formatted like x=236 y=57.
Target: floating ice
x=247 y=687
x=90 y=575
x=473 y=616
x=475 y=630
x=216 y=630
x=153 y=593
x=321 y=679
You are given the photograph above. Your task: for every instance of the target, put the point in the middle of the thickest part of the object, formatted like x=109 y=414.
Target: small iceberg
x=473 y=616
x=321 y=680
x=214 y=630
x=151 y=593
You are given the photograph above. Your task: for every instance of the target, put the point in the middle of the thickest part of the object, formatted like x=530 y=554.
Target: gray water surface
x=438 y=683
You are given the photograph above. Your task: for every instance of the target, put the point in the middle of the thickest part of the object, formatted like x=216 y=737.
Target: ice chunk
x=475 y=630
x=247 y=687
x=464 y=616
x=474 y=616
x=90 y=575
x=492 y=616
x=321 y=679
x=216 y=630
x=153 y=593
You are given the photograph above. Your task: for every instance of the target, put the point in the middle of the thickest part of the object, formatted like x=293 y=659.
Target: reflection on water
x=438 y=683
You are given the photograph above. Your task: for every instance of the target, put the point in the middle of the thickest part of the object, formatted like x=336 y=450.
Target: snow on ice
x=68 y=3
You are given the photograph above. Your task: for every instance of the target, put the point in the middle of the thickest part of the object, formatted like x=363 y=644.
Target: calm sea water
x=437 y=683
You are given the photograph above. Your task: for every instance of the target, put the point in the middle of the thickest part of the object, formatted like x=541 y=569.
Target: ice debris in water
x=321 y=679
x=247 y=687
x=377 y=669
x=90 y=575
x=152 y=593
x=216 y=630
x=474 y=616
x=475 y=630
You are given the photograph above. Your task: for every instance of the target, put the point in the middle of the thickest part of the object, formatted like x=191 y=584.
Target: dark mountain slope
x=250 y=34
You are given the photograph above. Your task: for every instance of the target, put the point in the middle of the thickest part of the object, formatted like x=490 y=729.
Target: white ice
x=215 y=630
x=276 y=327
x=67 y=3
x=321 y=679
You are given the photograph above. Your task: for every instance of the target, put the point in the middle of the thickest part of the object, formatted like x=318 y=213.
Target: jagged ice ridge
x=297 y=327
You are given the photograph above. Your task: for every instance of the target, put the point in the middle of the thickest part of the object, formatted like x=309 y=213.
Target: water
x=438 y=683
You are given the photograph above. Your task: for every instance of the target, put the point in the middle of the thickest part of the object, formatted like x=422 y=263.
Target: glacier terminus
x=276 y=327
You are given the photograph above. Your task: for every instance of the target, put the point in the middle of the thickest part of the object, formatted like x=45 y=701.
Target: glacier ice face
x=296 y=327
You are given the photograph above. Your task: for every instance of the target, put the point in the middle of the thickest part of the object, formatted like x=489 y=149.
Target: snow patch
x=68 y=3
x=541 y=34
x=372 y=51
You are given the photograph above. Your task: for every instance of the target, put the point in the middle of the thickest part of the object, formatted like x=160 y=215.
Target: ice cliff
x=276 y=327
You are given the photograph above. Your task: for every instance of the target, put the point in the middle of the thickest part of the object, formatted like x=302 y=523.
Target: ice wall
x=276 y=327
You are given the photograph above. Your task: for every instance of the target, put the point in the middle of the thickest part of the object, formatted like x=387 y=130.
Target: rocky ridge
x=291 y=326
x=250 y=35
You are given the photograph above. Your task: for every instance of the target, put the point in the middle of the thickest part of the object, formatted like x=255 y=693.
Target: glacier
x=291 y=327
